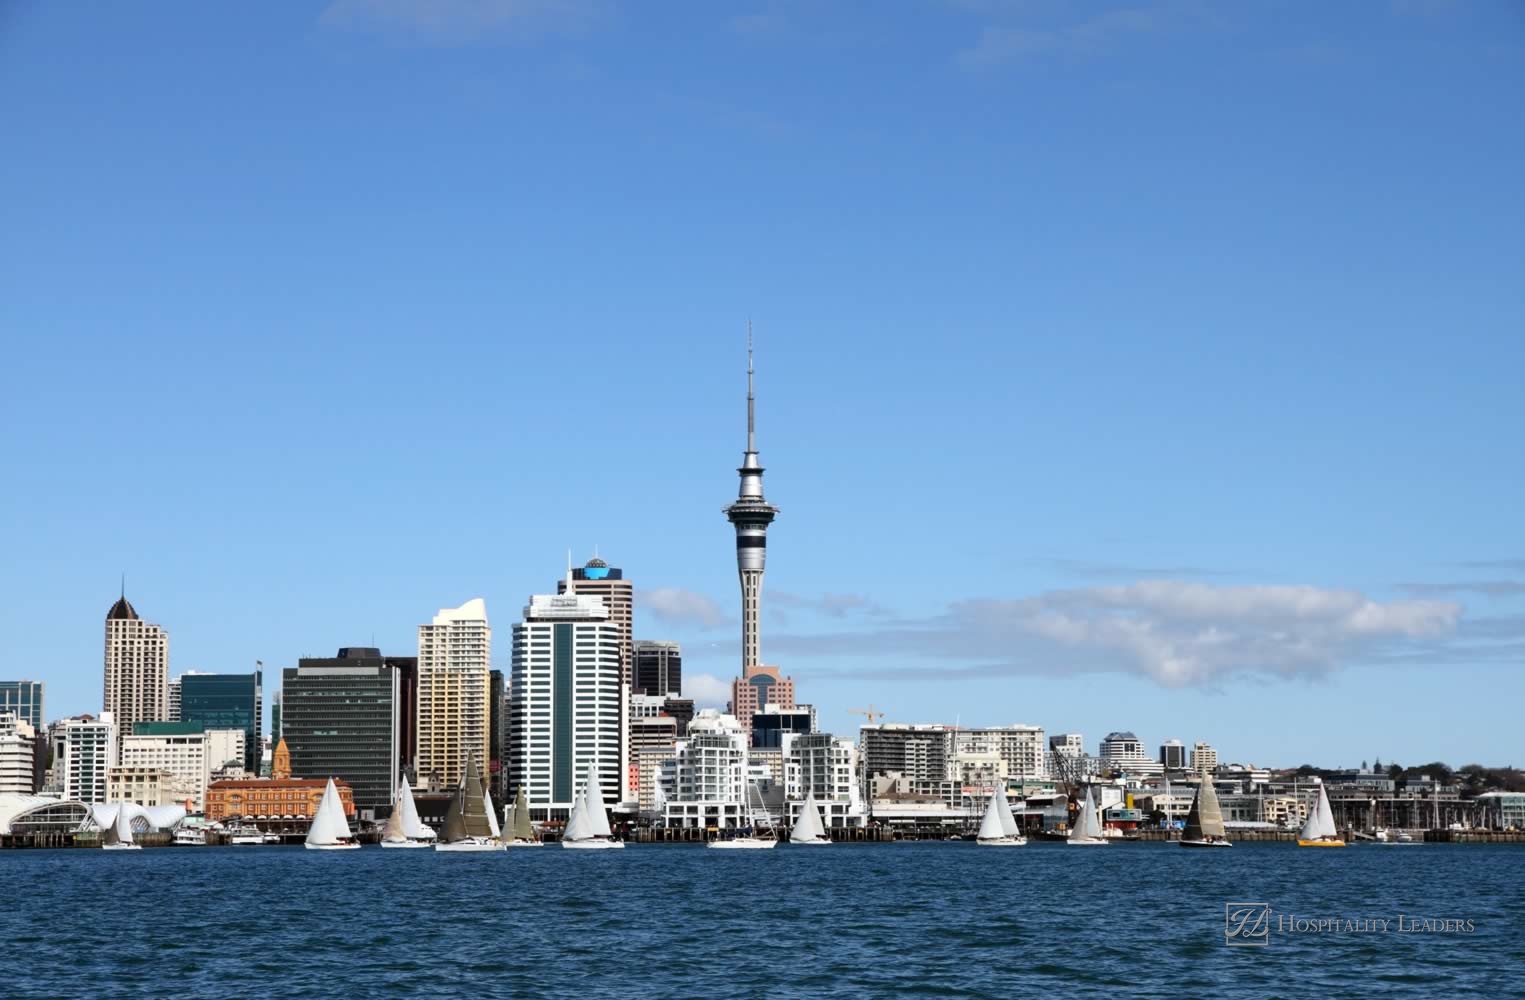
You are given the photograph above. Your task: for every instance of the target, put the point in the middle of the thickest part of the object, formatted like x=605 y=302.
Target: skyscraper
x=25 y=699
x=602 y=580
x=751 y=515
x=137 y=669
x=454 y=658
x=341 y=717
x=658 y=668
x=566 y=701
x=226 y=701
x=85 y=749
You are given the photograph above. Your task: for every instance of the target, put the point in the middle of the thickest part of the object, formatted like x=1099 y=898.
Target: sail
x=1320 y=824
x=598 y=818
x=492 y=815
x=475 y=806
x=1210 y=814
x=509 y=813
x=329 y=825
x=393 y=832
x=1003 y=808
x=1088 y=823
x=522 y=828
x=412 y=827
x=991 y=827
x=123 y=826
x=455 y=816
x=809 y=826
x=578 y=827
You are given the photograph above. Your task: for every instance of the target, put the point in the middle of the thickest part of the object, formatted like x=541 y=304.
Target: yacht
x=587 y=828
x=245 y=836
x=999 y=827
x=330 y=827
x=1204 y=824
x=809 y=829
x=470 y=825
x=1319 y=830
x=404 y=828
x=118 y=836
x=1087 y=832
x=517 y=829
x=752 y=839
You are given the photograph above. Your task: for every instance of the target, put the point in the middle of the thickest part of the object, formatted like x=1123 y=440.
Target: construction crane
x=869 y=712
x=868 y=793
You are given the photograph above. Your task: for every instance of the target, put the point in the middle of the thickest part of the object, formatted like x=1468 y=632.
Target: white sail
x=492 y=815
x=598 y=818
x=1088 y=823
x=809 y=827
x=578 y=827
x=991 y=827
x=392 y=831
x=123 y=826
x=1008 y=821
x=329 y=825
x=1320 y=824
x=412 y=827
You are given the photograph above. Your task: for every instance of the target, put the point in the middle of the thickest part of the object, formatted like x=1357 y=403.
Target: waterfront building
x=825 y=766
x=146 y=786
x=343 y=717
x=1502 y=810
x=136 y=669
x=23 y=755
x=1019 y=748
x=1173 y=755
x=25 y=699
x=26 y=814
x=271 y=802
x=771 y=723
x=184 y=750
x=84 y=750
x=704 y=782
x=1123 y=752
x=598 y=579
x=567 y=703
x=918 y=752
x=1204 y=759
x=454 y=663
x=658 y=667
x=226 y=701
x=649 y=735
x=648 y=765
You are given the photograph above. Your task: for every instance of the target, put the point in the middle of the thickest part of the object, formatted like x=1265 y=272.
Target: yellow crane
x=868 y=712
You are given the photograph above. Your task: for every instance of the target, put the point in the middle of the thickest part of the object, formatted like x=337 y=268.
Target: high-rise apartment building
x=22 y=753
x=1204 y=759
x=825 y=766
x=1124 y=753
x=185 y=750
x=454 y=662
x=25 y=699
x=658 y=668
x=226 y=701
x=84 y=750
x=137 y=669
x=599 y=579
x=1020 y=749
x=919 y=752
x=1173 y=755
x=497 y=734
x=342 y=717
x=567 y=703
x=759 y=686
x=704 y=784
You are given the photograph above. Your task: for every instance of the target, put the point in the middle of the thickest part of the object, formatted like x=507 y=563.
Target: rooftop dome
x=595 y=563
x=121 y=611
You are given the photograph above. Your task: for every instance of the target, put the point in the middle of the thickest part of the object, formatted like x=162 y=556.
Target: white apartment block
x=825 y=766
x=19 y=747
x=705 y=782
x=1204 y=759
x=85 y=749
x=136 y=669
x=190 y=758
x=147 y=786
x=1021 y=749
x=1124 y=753
x=568 y=703
x=454 y=660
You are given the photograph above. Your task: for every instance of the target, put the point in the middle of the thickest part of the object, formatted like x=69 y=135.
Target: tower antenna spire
x=751 y=398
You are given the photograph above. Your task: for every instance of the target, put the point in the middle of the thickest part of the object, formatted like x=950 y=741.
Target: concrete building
x=757 y=687
x=598 y=579
x=771 y=723
x=147 y=786
x=567 y=703
x=344 y=717
x=84 y=750
x=704 y=783
x=184 y=750
x=1020 y=748
x=917 y=752
x=225 y=701
x=825 y=766
x=1123 y=753
x=136 y=669
x=23 y=754
x=1072 y=744
x=1173 y=755
x=1204 y=759
x=454 y=663
x=658 y=668
x=25 y=699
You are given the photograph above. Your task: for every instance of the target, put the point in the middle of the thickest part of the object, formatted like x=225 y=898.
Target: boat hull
x=332 y=847
x=1321 y=843
x=823 y=842
x=742 y=844
x=470 y=847
x=1002 y=842
x=516 y=844
x=1088 y=843
x=408 y=843
x=121 y=847
x=1206 y=843
x=593 y=845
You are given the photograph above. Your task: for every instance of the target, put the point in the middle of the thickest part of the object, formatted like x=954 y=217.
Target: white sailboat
x=1319 y=830
x=469 y=825
x=1204 y=824
x=118 y=836
x=587 y=828
x=749 y=841
x=403 y=827
x=1087 y=832
x=999 y=827
x=809 y=828
x=517 y=830
x=330 y=829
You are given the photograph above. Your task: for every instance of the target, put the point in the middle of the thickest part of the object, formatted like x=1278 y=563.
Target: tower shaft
x=750 y=515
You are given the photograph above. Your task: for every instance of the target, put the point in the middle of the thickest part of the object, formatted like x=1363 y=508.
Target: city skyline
x=1098 y=400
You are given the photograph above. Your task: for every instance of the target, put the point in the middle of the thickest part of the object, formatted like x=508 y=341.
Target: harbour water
x=913 y=919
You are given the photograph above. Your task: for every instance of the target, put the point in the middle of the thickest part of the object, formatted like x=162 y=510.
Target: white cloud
x=677 y=606
x=707 y=690
x=831 y=605
x=455 y=21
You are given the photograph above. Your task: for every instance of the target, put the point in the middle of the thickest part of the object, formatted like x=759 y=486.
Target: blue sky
x=1149 y=366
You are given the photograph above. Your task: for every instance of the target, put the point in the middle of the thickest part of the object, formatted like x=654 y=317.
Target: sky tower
x=751 y=515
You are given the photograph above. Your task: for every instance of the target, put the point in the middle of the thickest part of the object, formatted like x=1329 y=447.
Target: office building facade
x=1173 y=755
x=341 y=718
x=599 y=579
x=136 y=669
x=84 y=751
x=185 y=750
x=454 y=664
x=226 y=701
x=25 y=699
x=658 y=668
x=917 y=751
x=23 y=752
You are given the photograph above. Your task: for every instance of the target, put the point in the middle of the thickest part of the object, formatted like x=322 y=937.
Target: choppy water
x=929 y=919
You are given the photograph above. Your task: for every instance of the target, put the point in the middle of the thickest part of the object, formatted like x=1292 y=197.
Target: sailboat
x=330 y=829
x=1087 y=832
x=809 y=828
x=1204 y=824
x=999 y=827
x=517 y=831
x=749 y=841
x=118 y=836
x=404 y=828
x=469 y=823
x=1319 y=830
x=587 y=828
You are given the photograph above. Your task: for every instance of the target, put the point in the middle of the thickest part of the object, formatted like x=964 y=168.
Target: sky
x=1149 y=366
